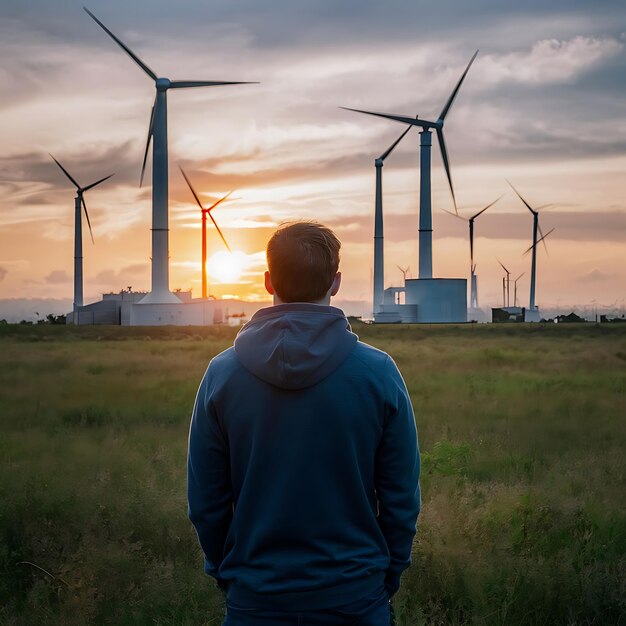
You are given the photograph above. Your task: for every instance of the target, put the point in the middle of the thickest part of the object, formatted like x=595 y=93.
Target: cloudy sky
x=544 y=105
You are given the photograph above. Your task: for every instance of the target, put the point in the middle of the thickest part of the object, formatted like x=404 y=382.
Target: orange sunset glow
x=543 y=106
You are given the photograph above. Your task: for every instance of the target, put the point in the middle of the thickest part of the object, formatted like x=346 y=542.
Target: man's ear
x=336 y=284
x=268 y=283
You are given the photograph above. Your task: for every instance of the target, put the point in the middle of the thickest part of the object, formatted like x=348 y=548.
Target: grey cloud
x=568 y=225
x=112 y=278
x=56 y=277
x=540 y=122
x=202 y=175
x=595 y=276
x=85 y=168
x=285 y=23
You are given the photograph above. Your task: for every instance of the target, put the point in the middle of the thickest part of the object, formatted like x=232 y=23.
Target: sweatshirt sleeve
x=397 y=477
x=209 y=487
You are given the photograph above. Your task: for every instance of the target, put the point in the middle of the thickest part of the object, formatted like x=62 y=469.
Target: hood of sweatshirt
x=293 y=346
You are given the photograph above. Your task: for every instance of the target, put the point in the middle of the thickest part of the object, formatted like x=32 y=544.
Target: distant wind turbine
x=404 y=271
x=507 y=283
x=206 y=211
x=473 y=281
x=515 y=288
x=157 y=132
x=533 y=247
x=379 y=250
x=79 y=203
x=425 y=217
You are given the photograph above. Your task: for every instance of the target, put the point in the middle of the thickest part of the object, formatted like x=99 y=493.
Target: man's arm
x=397 y=477
x=208 y=481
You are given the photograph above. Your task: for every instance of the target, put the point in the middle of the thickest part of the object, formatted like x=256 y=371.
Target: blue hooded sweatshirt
x=303 y=466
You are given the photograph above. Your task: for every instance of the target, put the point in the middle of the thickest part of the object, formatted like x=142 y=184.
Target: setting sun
x=226 y=267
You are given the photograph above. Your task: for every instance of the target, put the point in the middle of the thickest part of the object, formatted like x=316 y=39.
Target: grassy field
x=523 y=435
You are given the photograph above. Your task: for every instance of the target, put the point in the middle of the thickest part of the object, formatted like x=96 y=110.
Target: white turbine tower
x=79 y=203
x=160 y=292
x=425 y=217
x=379 y=252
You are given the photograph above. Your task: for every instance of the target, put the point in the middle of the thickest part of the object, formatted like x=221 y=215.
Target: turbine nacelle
x=162 y=83
x=427 y=125
x=80 y=190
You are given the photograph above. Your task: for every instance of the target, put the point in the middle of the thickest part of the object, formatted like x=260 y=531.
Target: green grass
x=522 y=430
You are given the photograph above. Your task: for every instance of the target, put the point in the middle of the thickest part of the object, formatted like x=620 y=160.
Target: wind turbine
x=404 y=273
x=473 y=281
x=379 y=253
x=508 y=285
x=157 y=132
x=404 y=270
x=515 y=288
x=205 y=212
x=425 y=216
x=78 y=235
x=536 y=229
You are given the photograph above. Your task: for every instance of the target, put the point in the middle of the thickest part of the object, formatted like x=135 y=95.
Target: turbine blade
x=538 y=240
x=193 y=191
x=145 y=154
x=454 y=214
x=446 y=163
x=394 y=144
x=397 y=118
x=519 y=277
x=182 y=84
x=65 y=172
x=219 y=201
x=489 y=205
x=87 y=216
x=543 y=240
x=88 y=187
x=520 y=197
x=219 y=231
x=504 y=268
x=122 y=45
x=542 y=237
x=446 y=108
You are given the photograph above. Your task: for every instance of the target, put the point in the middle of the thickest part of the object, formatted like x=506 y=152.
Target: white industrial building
x=426 y=301
x=126 y=308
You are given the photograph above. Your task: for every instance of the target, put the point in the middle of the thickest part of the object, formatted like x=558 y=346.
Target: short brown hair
x=303 y=259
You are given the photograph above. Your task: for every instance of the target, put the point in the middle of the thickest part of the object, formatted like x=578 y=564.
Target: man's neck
x=324 y=301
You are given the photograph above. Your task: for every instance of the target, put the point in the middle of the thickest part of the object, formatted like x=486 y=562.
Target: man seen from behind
x=303 y=465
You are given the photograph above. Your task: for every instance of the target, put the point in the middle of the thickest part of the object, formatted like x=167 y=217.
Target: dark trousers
x=373 y=611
